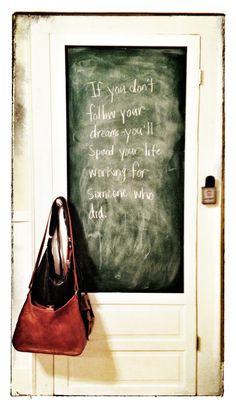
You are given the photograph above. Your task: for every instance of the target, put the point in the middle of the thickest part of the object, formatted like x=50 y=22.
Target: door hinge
x=198 y=343
x=201 y=77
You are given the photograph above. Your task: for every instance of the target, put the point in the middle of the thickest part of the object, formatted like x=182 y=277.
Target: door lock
x=209 y=191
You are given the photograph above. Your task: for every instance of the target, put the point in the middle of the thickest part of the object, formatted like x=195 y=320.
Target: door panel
x=141 y=343
x=163 y=320
x=119 y=373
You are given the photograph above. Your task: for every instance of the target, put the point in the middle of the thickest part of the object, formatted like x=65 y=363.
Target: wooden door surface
x=144 y=339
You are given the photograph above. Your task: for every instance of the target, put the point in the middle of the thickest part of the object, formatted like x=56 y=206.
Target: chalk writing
x=131 y=112
x=99 y=113
x=119 y=174
x=129 y=146
x=98 y=88
x=126 y=162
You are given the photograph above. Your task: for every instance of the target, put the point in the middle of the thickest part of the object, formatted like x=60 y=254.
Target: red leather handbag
x=62 y=328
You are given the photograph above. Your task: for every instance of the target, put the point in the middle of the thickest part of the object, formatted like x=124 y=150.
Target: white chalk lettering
x=134 y=111
x=151 y=152
x=95 y=133
x=100 y=152
x=96 y=214
x=127 y=152
x=150 y=128
x=141 y=194
x=116 y=90
x=135 y=131
x=96 y=90
x=99 y=113
x=136 y=172
x=108 y=194
x=139 y=88
x=107 y=172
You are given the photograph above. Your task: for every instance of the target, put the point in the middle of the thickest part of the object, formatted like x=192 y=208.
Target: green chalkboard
x=126 y=138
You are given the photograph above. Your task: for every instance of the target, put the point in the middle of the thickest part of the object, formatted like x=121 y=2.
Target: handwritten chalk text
x=98 y=88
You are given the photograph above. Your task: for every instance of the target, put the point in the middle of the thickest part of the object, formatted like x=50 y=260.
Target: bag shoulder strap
x=50 y=228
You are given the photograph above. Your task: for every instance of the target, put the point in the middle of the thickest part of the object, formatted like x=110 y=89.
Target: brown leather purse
x=57 y=316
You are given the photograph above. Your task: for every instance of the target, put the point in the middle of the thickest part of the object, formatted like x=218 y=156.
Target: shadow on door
x=96 y=364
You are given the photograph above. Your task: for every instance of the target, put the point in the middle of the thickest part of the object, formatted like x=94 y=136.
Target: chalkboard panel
x=126 y=137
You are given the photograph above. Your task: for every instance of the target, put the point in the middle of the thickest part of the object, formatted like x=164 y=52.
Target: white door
x=143 y=343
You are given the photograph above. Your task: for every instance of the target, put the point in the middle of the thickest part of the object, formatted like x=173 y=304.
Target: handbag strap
x=54 y=219
x=50 y=228
x=71 y=247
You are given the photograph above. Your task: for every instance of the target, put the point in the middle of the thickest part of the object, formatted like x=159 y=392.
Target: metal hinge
x=201 y=77
x=198 y=343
